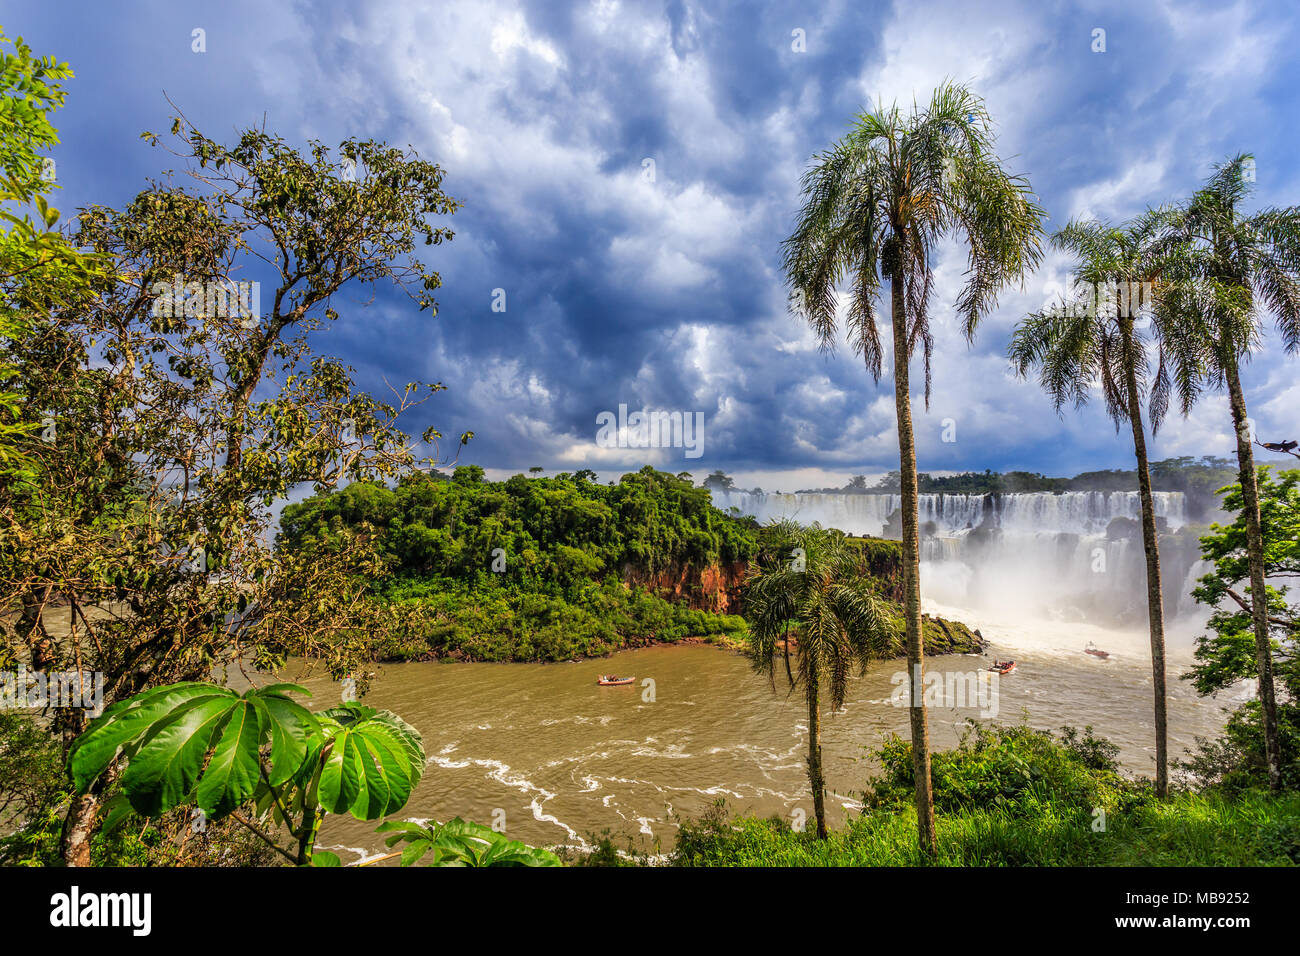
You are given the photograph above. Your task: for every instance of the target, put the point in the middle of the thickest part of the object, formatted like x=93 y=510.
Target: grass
x=1017 y=797
x=1188 y=830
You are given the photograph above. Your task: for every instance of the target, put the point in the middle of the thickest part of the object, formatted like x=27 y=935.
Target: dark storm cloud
x=668 y=293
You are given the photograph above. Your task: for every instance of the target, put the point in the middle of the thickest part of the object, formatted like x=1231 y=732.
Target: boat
x=613 y=680
x=1096 y=651
x=1003 y=667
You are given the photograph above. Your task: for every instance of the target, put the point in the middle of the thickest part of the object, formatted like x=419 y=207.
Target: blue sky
x=668 y=294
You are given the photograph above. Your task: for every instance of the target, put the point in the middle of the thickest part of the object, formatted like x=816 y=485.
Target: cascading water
x=1072 y=556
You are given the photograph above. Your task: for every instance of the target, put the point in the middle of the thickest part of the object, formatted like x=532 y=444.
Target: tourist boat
x=612 y=680
x=1095 y=651
x=1003 y=667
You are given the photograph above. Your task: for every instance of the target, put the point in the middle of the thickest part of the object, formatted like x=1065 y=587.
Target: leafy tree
x=1223 y=268
x=1098 y=340
x=875 y=205
x=809 y=582
x=32 y=252
x=181 y=412
x=1228 y=655
x=719 y=481
x=528 y=569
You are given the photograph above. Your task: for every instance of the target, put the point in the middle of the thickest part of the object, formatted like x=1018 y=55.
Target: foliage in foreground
x=1017 y=797
x=462 y=843
x=205 y=746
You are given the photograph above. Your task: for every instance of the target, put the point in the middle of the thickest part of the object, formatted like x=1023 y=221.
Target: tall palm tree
x=1223 y=270
x=874 y=206
x=1097 y=339
x=809 y=581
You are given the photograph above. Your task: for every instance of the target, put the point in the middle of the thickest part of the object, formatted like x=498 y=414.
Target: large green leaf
x=373 y=761
x=123 y=724
x=462 y=843
x=196 y=743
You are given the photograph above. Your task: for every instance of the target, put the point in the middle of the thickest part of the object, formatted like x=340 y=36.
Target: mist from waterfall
x=1072 y=556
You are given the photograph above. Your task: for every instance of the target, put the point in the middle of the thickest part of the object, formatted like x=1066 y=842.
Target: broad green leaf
x=232 y=773
x=125 y=722
x=463 y=843
x=375 y=760
x=198 y=743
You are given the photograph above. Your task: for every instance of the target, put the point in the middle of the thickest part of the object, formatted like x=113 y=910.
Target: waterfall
x=1073 y=512
x=1073 y=555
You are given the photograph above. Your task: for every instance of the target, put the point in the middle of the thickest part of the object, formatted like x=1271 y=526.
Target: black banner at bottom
x=141 y=908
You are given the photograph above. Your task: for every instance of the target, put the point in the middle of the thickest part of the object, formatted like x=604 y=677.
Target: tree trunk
x=1150 y=544
x=1258 y=594
x=911 y=563
x=815 y=778
x=78 y=828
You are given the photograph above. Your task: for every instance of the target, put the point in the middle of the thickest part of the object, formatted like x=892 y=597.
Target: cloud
x=629 y=171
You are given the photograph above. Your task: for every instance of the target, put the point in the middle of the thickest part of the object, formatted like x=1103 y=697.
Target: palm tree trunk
x=1151 y=545
x=815 y=777
x=1258 y=595
x=911 y=563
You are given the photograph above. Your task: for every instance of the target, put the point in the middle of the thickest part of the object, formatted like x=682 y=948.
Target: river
x=558 y=760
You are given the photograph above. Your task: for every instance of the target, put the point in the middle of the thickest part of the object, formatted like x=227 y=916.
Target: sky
x=629 y=170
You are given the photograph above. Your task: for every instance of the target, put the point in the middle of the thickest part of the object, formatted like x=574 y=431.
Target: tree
x=32 y=252
x=180 y=412
x=1096 y=339
x=809 y=581
x=1228 y=654
x=719 y=481
x=1222 y=269
x=875 y=204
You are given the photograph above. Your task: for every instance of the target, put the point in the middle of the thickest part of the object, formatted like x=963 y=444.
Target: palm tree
x=875 y=204
x=810 y=580
x=1224 y=268
x=1097 y=340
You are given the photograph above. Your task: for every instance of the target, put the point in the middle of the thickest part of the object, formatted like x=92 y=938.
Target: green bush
x=1017 y=797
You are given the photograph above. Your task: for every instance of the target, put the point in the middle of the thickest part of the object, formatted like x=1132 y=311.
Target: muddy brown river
x=557 y=759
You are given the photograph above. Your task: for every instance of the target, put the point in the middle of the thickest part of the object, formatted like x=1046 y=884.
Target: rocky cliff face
x=719 y=589
x=714 y=588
